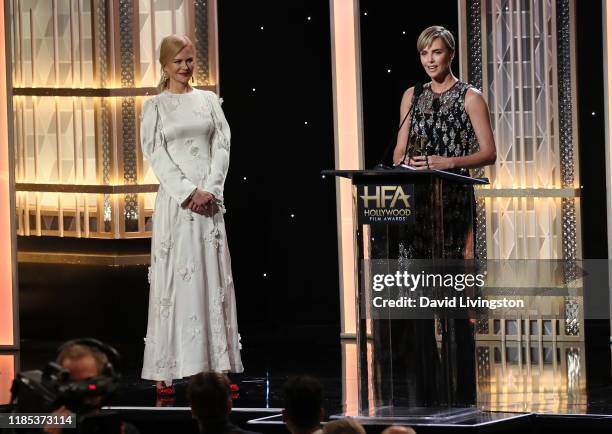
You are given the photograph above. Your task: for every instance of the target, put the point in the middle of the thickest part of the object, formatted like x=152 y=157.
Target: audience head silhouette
x=210 y=397
x=396 y=429
x=344 y=426
x=303 y=411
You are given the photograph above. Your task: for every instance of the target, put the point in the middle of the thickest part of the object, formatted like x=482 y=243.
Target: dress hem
x=149 y=376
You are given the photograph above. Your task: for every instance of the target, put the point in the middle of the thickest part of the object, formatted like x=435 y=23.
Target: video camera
x=43 y=391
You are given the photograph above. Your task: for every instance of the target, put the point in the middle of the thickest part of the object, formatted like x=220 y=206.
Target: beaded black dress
x=434 y=363
x=441 y=126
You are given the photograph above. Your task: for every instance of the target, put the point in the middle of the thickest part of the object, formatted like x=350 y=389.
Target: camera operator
x=77 y=385
x=93 y=367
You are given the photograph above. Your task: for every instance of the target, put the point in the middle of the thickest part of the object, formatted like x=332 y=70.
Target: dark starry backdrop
x=276 y=83
x=391 y=64
x=275 y=64
x=275 y=68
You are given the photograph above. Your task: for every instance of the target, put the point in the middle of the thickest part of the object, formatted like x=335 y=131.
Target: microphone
x=418 y=90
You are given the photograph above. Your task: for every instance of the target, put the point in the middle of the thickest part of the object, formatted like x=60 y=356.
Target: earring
x=164 y=75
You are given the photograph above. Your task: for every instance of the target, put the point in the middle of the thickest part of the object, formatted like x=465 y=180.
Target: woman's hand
x=208 y=210
x=203 y=202
x=437 y=162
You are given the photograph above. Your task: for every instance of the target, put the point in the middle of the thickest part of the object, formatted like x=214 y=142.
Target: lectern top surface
x=408 y=174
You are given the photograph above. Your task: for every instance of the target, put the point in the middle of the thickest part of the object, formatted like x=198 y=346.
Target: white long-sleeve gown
x=192 y=323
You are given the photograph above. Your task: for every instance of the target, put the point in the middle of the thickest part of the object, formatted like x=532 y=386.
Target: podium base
x=411 y=415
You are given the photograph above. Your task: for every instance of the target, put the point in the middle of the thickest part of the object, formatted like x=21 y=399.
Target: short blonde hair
x=428 y=35
x=170 y=46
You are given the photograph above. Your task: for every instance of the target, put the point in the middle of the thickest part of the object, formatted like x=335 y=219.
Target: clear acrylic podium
x=415 y=370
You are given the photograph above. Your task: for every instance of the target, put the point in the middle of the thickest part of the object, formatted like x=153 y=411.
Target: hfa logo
x=384 y=196
x=385 y=203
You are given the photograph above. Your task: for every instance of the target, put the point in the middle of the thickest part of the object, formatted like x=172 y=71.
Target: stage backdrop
x=84 y=195
x=79 y=72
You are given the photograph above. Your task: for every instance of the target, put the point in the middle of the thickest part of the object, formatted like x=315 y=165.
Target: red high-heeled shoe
x=164 y=391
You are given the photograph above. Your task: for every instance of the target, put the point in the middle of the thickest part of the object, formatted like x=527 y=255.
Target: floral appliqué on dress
x=186 y=271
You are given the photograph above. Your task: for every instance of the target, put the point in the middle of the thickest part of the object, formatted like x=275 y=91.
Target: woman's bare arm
x=402 y=135
x=477 y=110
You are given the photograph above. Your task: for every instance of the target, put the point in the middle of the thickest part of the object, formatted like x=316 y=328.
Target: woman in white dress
x=185 y=138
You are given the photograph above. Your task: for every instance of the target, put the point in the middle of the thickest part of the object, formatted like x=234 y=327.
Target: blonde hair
x=428 y=35
x=170 y=46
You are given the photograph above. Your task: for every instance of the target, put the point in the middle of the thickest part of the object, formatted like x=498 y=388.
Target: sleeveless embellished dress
x=441 y=126
x=433 y=361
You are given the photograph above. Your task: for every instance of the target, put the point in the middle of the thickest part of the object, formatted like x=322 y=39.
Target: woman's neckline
x=444 y=91
x=183 y=93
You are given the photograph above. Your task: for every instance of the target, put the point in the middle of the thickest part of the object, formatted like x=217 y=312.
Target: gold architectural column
x=9 y=336
x=607 y=54
x=346 y=70
x=607 y=47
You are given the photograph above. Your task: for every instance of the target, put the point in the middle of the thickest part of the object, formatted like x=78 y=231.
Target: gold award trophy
x=419 y=147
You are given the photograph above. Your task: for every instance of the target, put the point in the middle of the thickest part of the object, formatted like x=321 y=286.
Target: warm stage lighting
x=7 y=321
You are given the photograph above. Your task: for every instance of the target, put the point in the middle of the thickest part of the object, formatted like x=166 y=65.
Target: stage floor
x=512 y=397
x=508 y=386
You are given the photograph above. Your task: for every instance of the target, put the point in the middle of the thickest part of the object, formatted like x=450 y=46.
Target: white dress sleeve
x=219 y=147
x=154 y=150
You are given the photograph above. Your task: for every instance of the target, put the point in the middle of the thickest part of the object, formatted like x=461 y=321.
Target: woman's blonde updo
x=170 y=46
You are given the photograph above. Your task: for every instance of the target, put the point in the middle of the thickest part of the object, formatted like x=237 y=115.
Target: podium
x=412 y=370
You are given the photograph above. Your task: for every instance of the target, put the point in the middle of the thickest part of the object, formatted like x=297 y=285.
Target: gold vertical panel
x=531 y=377
x=350 y=376
x=213 y=44
x=8 y=294
x=346 y=67
x=202 y=29
x=524 y=52
x=607 y=47
x=521 y=52
x=155 y=21
x=52 y=43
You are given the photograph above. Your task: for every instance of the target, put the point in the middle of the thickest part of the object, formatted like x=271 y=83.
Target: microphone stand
x=418 y=90
x=415 y=102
